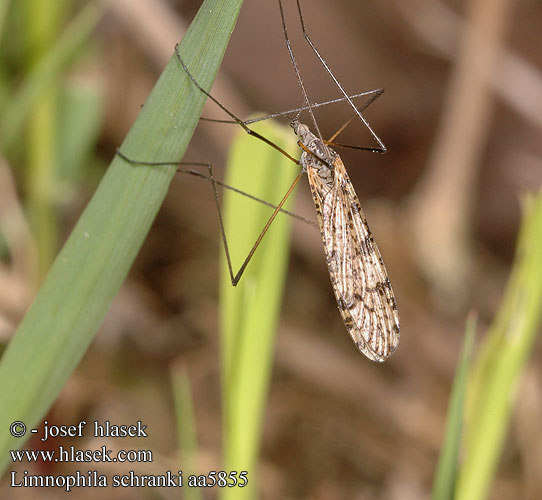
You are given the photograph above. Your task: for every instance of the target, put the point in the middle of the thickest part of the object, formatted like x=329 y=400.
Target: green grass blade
x=498 y=368
x=4 y=6
x=446 y=474
x=43 y=74
x=91 y=267
x=186 y=428
x=250 y=311
x=42 y=23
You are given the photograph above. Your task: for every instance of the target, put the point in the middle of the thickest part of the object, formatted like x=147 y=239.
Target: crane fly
x=358 y=275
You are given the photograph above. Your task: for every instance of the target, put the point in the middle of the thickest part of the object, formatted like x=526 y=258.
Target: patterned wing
x=358 y=275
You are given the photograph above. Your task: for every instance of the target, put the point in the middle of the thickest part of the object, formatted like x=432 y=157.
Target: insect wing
x=358 y=275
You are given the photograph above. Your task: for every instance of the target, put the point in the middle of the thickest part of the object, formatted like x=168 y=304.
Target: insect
x=358 y=275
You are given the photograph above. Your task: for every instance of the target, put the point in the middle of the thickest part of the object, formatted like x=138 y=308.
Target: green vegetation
x=89 y=270
x=495 y=373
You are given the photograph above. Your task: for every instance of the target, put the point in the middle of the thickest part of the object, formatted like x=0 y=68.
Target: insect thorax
x=320 y=158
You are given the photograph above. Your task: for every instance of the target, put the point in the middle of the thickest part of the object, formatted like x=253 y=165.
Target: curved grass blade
x=249 y=312
x=446 y=475
x=185 y=420
x=502 y=358
x=91 y=267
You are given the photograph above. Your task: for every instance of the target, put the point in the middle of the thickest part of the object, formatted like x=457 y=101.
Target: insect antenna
x=381 y=146
x=306 y=101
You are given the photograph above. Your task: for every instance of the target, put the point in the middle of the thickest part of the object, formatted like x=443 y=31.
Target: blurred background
x=461 y=117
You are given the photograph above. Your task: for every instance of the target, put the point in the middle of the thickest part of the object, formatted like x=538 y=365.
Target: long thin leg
x=227 y=111
x=235 y=277
x=331 y=141
x=340 y=87
x=243 y=193
x=376 y=94
x=298 y=110
x=307 y=104
x=210 y=178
